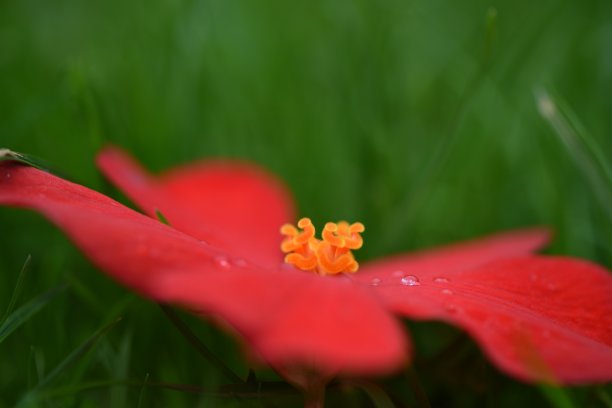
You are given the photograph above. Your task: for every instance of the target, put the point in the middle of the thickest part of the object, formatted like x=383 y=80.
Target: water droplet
x=441 y=279
x=375 y=281
x=410 y=280
x=239 y=262
x=222 y=262
x=287 y=267
x=533 y=277
x=141 y=249
x=8 y=175
x=346 y=278
x=553 y=287
x=446 y=292
x=397 y=274
x=451 y=308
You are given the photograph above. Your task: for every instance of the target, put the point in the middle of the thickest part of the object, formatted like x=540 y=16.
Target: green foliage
x=417 y=118
x=24 y=313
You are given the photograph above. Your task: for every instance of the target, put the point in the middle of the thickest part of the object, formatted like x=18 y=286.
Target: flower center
x=328 y=256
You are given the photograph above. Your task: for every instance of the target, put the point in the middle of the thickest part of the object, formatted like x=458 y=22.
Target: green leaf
x=21 y=315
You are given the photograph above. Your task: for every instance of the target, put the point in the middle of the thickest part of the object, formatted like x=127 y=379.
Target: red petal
x=457 y=257
x=537 y=318
x=287 y=317
x=131 y=247
x=232 y=205
x=313 y=322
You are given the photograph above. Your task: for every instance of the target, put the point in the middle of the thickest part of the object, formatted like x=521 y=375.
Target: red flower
x=538 y=318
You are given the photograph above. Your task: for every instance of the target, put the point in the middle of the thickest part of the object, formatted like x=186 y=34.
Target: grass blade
x=375 y=393
x=30 y=397
x=160 y=217
x=18 y=288
x=439 y=158
x=21 y=315
x=604 y=397
x=588 y=156
x=6 y=154
x=557 y=396
x=199 y=346
x=78 y=353
x=142 y=391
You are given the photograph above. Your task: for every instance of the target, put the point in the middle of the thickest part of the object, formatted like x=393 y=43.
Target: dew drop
x=398 y=273
x=410 y=280
x=8 y=175
x=287 y=267
x=222 y=262
x=451 y=308
x=552 y=287
x=441 y=279
x=346 y=278
x=375 y=281
x=446 y=292
x=141 y=249
x=239 y=262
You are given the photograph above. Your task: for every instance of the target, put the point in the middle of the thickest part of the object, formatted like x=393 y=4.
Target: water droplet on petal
x=8 y=175
x=553 y=287
x=446 y=292
x=375 y=281
x=441 y=279
x=222 y=262
x=346 y=278
x=410 y=280
x=398 y=273
x=287 y=267
x=451 y=308
x=141 y=249
x=239 y=262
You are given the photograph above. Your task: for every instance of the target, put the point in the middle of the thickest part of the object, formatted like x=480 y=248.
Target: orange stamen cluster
x=328 y=256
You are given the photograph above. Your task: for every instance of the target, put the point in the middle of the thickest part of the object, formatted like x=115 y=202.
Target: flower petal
x=287 y=317
x=131 y=247
x=233 y=205
x=537 y=318
x=297 y=320
x=456 y=257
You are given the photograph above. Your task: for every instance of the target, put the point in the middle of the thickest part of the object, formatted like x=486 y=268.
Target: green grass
x=417 y=118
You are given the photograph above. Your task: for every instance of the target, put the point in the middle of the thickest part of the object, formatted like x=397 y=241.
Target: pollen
x=330 y=255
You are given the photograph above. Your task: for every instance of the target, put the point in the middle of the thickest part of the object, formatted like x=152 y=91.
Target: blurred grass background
x=418 y=118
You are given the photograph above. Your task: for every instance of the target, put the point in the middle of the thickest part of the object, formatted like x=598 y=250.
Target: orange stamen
x=331 y=255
